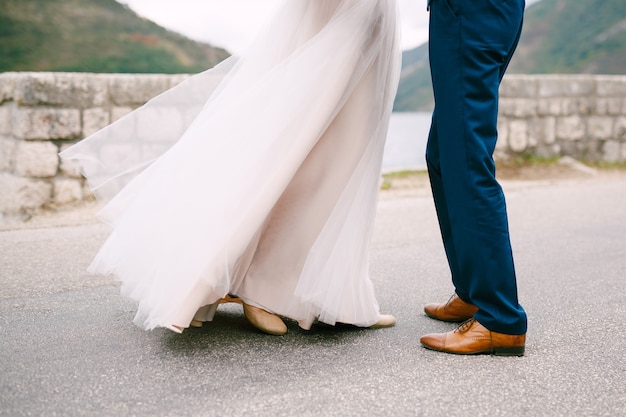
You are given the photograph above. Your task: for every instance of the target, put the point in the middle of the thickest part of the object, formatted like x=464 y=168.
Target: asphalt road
x=68 y=346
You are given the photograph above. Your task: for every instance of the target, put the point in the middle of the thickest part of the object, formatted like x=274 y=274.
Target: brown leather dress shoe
x=472 y=338
x=455 y=310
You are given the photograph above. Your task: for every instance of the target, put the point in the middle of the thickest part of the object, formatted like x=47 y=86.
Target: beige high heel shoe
x=386 y=320
x=180 y=329
x=264 y=320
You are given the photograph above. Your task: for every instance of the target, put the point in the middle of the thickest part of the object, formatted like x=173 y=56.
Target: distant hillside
x=414 y=91
x=573 y=36
x=93 y=36
x=559 y=37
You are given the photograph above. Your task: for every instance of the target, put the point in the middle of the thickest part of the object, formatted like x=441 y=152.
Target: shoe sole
x=448 y=320
x=501 y=351
x=381 y=326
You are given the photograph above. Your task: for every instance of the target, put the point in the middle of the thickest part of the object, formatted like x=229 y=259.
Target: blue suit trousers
x=471 y=43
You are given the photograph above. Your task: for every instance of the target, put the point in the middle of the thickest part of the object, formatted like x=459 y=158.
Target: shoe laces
x=465 y=326
x=450 y=299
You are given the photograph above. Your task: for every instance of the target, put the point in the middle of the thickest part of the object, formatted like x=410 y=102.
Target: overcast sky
x=232 y=24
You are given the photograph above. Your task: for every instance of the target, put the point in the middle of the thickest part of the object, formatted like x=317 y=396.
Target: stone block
x=517 y=86
x=22 y=194
x=534 y=131
x=549 y=130
x=547 y=151
x=8 y=147
x=67 y=191
x=549 y=107
x=518 y=107
x=502 y=143
x=133 y=90
x=518 y=135
x=506 y=106
x=590 y=151
x=566 y=86
x=36 y=159
x=7 y=85
x=69 y=167
x=600 y=106
x=61 y=89
x=5 y=119
x=600 y=127
x=615 y=105
x=570 y=128
x=119 y=112
x=94 y=120
x=45 y=123
x=619 y=129
x=541 y=131
x=81 y=90
x=611 y=86
x=607 y=106
x=33 y=88
x=612 y=151
x=576 y=105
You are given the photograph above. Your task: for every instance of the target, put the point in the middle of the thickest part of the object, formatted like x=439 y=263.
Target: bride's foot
x=264 y=320
x=180 y=329
x=386 y=320
x=195 y=323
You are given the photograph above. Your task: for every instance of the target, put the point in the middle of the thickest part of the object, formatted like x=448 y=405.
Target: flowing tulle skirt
x=258 y=177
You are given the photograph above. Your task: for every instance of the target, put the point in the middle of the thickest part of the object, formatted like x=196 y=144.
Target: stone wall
x=581 y=116
x=43 y=113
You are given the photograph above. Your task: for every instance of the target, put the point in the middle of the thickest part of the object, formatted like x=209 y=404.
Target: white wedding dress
x=258 y=177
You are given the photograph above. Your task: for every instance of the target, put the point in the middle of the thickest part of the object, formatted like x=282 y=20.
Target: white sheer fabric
x=258 y=177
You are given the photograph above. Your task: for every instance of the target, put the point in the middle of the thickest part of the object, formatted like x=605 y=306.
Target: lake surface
x=406 y=142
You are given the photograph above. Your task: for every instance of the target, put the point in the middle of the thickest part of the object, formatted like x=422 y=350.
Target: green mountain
x=559 y=37
x=93 y=36
x=573 y=36
x=415 y=91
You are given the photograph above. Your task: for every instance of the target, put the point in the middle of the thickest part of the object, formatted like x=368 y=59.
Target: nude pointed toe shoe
x=179 y=329
x=386 y=320
x=196 y=323
x=265 y=321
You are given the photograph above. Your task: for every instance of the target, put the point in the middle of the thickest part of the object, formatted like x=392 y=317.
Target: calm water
x=406 y=142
